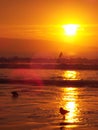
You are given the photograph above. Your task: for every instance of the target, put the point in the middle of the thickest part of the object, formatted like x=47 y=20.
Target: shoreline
x=48 y=66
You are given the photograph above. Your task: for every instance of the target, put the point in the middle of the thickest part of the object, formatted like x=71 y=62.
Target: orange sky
x=43 y=19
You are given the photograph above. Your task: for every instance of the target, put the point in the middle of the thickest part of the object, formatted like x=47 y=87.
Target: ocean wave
x=54 y=82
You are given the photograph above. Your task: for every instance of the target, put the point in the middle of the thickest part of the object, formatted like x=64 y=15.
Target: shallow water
x=48 y=74
x=37 y=107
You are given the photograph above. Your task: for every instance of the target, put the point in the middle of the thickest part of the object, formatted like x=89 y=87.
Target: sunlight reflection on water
x=69 y=102
x=38 y=106
x=71 y=75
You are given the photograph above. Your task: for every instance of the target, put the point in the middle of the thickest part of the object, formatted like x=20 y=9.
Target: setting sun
x=70 y=29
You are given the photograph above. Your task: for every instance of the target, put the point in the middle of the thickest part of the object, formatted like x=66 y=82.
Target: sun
x=70 y=29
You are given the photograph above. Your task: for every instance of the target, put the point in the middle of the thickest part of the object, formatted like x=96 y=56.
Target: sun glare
x=70 y=29
x=70 y=102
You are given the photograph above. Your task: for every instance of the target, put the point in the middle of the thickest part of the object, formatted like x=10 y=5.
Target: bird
x=63 y=112
x=14 y=93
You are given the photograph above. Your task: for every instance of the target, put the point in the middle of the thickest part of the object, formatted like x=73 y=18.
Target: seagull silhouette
x=14 y=93
x=63 y=112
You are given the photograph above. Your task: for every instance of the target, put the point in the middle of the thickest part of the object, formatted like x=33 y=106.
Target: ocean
x=37 y=106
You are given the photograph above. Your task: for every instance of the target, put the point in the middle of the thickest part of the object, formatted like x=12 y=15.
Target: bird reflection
x=62 y=128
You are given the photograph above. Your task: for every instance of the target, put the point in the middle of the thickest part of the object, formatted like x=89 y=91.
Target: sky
x=29 y=27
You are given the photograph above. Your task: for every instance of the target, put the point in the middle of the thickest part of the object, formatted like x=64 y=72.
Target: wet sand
x=37 y=108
